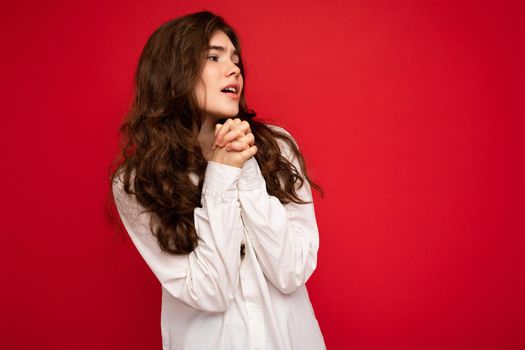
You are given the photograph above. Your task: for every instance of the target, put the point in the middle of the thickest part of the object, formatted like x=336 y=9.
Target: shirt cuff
x=220 y=180
x=251 y=176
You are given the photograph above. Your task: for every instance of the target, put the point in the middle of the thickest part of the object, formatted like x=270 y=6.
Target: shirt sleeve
x=285 y=237
x=206 y=278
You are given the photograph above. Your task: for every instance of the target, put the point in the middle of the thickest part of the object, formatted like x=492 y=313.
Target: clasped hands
x=234 y=143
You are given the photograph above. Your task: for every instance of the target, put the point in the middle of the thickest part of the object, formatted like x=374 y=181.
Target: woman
x=218 y=204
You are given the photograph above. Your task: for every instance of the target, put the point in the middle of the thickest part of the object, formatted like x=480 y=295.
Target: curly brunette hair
x=159 y=146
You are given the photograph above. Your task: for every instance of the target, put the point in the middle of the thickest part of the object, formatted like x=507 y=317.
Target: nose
x=233 y=69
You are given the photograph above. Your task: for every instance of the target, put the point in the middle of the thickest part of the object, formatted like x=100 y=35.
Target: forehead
x=220 y=39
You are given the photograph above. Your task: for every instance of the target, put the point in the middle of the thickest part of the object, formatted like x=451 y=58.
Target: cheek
x=200 y=93
x=209 y=75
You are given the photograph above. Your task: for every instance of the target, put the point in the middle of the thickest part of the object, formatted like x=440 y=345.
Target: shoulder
x=285 y=141
x=279 y=129
x=118 y=184
x=284 y=134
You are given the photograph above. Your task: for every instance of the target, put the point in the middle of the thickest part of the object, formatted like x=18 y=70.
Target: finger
x=237 y=123
x=232 y=135
x=248 y=139
x=237 y=146
x=228 y=126
x=250 y=152
x=245 y=127
x=222 y=131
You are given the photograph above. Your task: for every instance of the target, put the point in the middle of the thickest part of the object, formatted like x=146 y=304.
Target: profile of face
x=219 y=88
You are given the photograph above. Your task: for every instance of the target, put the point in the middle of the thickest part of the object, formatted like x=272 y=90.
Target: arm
x=207 y=278
x=285 y=237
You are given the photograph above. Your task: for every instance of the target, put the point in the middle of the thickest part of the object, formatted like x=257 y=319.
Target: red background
x=409 y=114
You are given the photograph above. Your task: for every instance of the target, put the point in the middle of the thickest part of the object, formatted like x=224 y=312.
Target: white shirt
x=213 y=298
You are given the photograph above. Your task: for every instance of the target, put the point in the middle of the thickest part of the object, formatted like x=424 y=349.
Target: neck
x=207 y=136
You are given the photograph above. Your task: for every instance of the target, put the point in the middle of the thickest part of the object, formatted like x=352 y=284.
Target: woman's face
x=220 y=70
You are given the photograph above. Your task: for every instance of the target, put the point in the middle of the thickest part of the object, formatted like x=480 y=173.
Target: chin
x=224 y=113
x=230 y=114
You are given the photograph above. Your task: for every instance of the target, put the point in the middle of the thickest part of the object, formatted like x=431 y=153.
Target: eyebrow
x=222 y=49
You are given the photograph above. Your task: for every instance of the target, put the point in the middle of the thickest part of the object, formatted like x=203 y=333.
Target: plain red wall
x=409 y=113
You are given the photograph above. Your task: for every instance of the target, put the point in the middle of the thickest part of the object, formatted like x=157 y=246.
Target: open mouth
x=231 y=91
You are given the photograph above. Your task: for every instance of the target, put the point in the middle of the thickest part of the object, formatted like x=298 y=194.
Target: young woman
x=218 y=204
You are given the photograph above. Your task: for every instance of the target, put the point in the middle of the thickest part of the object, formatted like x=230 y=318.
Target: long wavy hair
x=159 y=148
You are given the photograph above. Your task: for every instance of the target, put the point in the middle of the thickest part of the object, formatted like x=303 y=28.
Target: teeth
x=231 y=88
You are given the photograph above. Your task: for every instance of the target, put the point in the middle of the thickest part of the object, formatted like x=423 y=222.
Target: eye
x=215 y=58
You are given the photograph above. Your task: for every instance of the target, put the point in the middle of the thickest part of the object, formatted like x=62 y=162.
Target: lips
x=232 y=95
x=235 y=86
